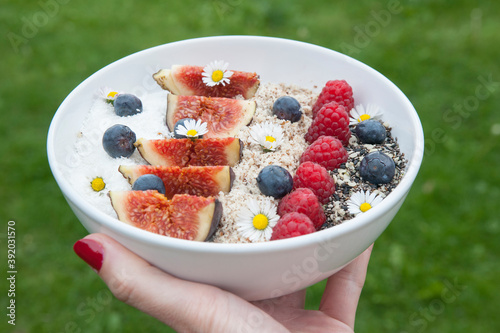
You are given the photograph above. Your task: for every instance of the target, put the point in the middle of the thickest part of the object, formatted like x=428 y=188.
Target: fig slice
x=188 y=80
x=203 y=181
x=186 y=152
x=224 y=116
x=168 y=152
x=185 y=216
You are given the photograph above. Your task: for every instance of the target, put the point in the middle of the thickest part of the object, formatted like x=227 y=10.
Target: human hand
x=194 y=307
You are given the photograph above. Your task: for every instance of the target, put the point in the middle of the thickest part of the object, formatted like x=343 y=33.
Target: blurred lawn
x=435 y=269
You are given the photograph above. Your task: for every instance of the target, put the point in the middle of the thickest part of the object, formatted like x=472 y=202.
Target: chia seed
x=347 y=174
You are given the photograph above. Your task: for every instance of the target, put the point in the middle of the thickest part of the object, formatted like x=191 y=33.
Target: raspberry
x=332 y=120
x=326 y=151
x=292 y=225
x=316 y=178
x=303 y=200
x=335 y=91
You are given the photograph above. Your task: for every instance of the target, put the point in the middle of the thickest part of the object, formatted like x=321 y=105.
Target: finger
x=183 y=305
x=294 y=300
x=343 y=289
x=281 y=308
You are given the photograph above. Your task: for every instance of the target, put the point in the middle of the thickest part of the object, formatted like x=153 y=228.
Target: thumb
x=183 y=305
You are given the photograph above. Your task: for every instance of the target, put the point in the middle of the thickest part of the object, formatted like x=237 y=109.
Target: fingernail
x=90 y=251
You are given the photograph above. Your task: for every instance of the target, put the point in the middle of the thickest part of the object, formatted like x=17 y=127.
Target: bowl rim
x=346 y=227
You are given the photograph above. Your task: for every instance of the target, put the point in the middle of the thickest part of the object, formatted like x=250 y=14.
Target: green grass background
x=435 y=269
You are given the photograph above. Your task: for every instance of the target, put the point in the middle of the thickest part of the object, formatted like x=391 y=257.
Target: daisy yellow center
x=217 y=75
x=364 y=117
x=112 y=94
x=192 y=132
x=270 y=138
x=97 y=184
x=365 y=206
x=260 y=221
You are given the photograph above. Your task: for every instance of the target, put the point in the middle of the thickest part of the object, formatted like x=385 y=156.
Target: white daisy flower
x=216 y=73
x=192 y=128
x=97 y=184
x=108 y=95
x=256 y=220
x=360 y=113
x=268 y=135
x=97 y=181
x=361 y=202
x=169 y=135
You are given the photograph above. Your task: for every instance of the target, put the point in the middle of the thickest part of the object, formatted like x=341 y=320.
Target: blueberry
x=149 y=182
x=181 y=122
x=275 y=181
x=118 y=141
x=127 y=105
x=377 y=168
x=287 y=108
x=371 y=131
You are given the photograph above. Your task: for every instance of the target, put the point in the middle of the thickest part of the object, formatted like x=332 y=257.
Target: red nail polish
x=90 y=251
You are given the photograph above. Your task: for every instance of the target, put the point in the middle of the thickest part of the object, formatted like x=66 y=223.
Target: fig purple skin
x=215 y=219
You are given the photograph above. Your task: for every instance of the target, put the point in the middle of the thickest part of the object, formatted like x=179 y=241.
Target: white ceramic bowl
x=261 y=270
